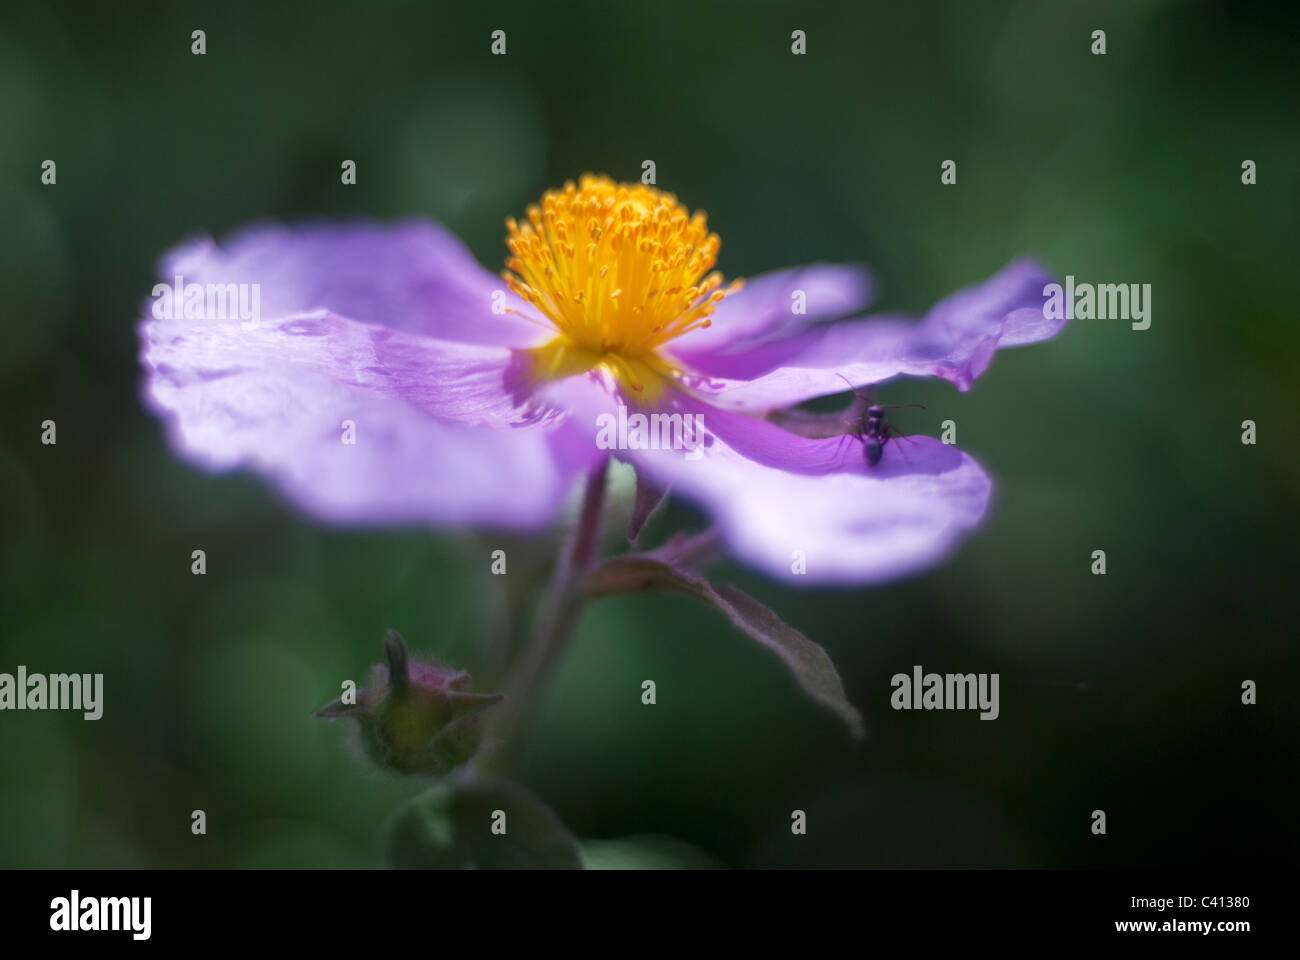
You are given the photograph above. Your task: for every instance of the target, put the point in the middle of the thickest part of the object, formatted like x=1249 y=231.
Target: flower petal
x=763 y=310
x=786 y=502
x=956 y=340
x=412 y=276
x=438 y=437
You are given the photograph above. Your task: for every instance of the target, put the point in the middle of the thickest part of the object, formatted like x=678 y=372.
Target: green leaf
x=451 y=826
x=645 y=852
x=807 y=661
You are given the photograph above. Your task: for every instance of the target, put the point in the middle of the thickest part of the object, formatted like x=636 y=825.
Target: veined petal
x=438 y=437
x=764 y=310
x=411 y=276
x=956 y=340
x=787 y=503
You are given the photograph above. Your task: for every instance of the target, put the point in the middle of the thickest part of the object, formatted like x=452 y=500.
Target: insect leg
x=893 y=434
x=839 y=446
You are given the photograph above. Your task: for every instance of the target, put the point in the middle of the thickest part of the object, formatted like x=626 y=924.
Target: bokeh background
x=1119 y=692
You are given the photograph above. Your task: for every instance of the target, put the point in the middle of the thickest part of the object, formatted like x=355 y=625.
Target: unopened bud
x=416 y=717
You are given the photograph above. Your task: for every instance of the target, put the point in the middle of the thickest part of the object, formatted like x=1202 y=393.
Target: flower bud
x=416 y=717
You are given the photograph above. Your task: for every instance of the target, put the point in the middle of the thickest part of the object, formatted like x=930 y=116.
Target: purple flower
x=473 y=401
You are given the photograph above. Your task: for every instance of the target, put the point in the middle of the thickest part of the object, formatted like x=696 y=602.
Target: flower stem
x=556 y=618
x=586 y=538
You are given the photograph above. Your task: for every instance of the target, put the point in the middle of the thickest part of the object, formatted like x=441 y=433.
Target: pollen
x=617 y=270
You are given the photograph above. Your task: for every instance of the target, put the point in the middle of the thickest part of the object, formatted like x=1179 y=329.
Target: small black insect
x=873 y=430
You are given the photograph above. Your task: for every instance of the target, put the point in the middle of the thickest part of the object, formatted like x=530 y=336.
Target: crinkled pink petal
x=764 y=310
x=411 y=276
x=956 y=341
x=438 y=438
x=857 y=525
x=786 y=503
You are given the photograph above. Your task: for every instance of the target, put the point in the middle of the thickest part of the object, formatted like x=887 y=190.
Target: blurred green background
x=1118 y=692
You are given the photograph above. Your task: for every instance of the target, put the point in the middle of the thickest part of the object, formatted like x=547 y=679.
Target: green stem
x=559 y=613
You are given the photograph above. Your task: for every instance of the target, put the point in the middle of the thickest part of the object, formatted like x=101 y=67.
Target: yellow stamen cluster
x=618 y=270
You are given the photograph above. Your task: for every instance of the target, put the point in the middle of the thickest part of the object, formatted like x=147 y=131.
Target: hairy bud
x=416 y=717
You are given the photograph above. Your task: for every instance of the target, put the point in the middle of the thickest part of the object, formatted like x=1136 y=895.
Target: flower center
x=617 y=270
